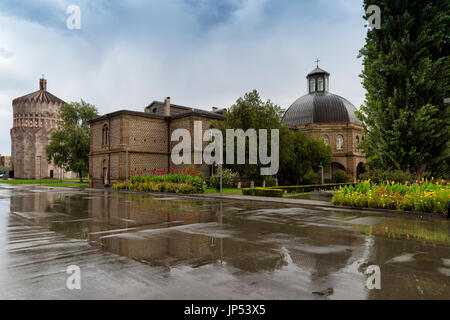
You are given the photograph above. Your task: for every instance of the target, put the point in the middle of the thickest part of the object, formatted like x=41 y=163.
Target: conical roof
x=42 y=95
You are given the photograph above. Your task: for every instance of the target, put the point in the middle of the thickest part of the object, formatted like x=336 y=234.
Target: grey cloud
x=209 y=13
x=5 y=53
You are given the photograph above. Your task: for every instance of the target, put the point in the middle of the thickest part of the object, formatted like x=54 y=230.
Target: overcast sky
x=202 y=53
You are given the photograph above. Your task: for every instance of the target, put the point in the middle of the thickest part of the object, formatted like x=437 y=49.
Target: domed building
x=331 y=117
x=35 y=117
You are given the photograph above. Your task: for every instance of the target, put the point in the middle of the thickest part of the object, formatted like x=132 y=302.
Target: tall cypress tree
x=406 y=74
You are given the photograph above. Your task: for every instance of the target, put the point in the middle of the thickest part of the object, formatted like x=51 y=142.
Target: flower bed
x=168 y=180
x=422 y=196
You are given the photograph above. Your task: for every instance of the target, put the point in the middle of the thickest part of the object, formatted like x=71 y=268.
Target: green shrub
x=263 y=192
x=340 y=176
x=270 y=181
x=228 y=177
x=310 y=177
x=381 y=176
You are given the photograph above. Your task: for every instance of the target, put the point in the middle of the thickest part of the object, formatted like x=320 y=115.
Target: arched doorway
x=337 y=166
x=360 y=169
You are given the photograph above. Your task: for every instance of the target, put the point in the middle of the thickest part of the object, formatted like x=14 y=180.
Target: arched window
x=320 y=84
x=105 y=135
x=312 y=85
x=357 y=141
x=325 y=139
x=339 y=142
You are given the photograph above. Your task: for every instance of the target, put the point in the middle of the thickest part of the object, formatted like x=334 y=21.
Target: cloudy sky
x=202 y=53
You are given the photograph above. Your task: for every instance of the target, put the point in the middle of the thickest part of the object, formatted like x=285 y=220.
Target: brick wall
x=147 y=138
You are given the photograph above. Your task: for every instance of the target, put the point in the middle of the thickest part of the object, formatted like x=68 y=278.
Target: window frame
x=312 y=85
x=320 y=84
x=340 y=148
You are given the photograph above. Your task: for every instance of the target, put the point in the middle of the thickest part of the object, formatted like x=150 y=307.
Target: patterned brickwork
x=147 y=137
x=148 y=134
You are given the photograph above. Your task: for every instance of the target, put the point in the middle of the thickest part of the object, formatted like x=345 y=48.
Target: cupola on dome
x=319 y=105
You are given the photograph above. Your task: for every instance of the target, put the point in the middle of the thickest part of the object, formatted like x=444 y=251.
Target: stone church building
x=141 y=140
x=331 y=117
x=35 y=117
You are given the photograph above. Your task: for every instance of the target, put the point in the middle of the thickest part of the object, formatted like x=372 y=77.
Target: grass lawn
x=224 y=190
x=37 y=181
x=64 y=185
x=287 y=195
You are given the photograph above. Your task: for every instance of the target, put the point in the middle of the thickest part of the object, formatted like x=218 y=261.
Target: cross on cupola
x=317 y=80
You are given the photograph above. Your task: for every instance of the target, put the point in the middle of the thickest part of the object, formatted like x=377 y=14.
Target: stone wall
x=33 y=124
x=350 y=156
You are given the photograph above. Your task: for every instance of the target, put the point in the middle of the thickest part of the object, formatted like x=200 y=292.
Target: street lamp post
x=321 y=173
x=221 y=179
x=126 y=161
x=447 y=101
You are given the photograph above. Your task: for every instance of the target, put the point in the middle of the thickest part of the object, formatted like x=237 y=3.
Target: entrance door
x=51 y=174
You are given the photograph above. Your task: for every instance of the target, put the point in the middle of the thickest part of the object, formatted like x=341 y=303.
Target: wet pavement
x=136 y=246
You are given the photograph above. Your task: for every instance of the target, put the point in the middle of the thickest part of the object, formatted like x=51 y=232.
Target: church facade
x=332 y=118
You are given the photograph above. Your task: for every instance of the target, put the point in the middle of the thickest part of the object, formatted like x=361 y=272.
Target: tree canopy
x=4 y=169
x=406 y=74
x=250 y=112
x=70 y=144
x=298 y=154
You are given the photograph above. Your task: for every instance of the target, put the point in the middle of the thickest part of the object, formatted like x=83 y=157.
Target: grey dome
x=320 y=108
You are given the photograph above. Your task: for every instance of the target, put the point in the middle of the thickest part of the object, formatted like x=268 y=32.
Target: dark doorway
x=337 y=166
x=360 y=169
x=51 y=174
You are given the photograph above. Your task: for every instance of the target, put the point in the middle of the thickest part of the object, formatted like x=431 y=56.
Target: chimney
x=167 y=107
x=214 y=109
x=42 y=84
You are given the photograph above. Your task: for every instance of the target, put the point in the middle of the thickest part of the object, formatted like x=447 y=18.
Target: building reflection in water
x=246 y=237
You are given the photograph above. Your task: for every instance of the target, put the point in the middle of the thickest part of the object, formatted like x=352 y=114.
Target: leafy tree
x=406 y=74
x=298 y=154
x=250 y=112
x=300 y=157
x=69 y=145
x=4 y=169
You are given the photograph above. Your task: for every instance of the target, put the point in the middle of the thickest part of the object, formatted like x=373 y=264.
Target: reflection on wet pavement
x=136 y=246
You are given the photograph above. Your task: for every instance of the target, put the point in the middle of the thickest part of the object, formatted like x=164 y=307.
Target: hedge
x=263 y=192
x=311 y=187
